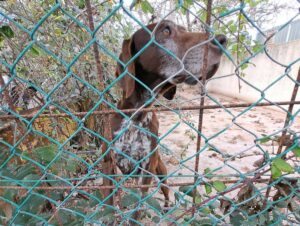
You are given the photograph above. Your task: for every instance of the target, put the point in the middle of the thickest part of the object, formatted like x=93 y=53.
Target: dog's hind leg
x=157 y=167
x=151 y=171
x=146 y=180
x=161 y=171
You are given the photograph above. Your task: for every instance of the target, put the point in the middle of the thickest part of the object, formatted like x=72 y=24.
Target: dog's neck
x=142 y=93
x=141 y=96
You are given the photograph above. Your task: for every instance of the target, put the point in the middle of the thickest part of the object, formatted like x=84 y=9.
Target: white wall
x=261 y=76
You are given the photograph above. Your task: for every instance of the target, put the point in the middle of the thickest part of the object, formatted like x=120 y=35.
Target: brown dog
x=156 y=72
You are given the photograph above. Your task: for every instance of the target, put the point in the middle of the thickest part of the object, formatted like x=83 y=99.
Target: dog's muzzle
x=213 y=45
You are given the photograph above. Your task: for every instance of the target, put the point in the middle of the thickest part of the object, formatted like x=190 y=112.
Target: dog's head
x=155 y=65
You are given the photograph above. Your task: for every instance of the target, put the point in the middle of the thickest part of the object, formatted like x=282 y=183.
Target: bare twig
x=108 y=161
x=289 y=113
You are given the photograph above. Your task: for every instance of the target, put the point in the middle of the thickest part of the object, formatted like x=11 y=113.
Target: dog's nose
x=221 y=39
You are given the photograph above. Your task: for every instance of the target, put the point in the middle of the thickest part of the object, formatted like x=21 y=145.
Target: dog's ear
x=169 y=91
x=127 y=82
x=213 y=71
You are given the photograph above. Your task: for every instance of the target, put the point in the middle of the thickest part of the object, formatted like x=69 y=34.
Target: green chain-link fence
x=58 y=88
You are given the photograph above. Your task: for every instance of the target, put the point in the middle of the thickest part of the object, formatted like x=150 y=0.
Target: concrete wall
x=260 y=75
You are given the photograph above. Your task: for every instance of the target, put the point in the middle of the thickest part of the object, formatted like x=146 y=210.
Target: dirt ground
x=231 y=132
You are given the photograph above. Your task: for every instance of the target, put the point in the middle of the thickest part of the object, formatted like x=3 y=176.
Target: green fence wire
x=51 y=165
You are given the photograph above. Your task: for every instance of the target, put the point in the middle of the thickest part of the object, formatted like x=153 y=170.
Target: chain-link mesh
x=58 y=91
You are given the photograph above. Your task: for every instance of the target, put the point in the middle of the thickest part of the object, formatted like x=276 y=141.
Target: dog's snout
x=221 y=39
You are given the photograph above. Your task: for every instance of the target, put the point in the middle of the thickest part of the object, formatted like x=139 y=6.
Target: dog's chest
x=133 y=145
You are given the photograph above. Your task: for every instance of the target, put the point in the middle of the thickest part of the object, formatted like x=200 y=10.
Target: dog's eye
x=167 y=31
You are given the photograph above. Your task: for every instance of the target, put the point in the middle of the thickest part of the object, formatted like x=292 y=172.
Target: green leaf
x=236 y=219
x=98 y=196
x=282 y=165
x=66 y=218
x=31 y=179
x=58 y=18
x=203 y=222
x=205 y=210
x=257 y=47
x=208 y=189
x=1 y=41
x=55 y=195
x=262 y=219
x=282 y=204
x=198 y=199
x=108 y=211
x=202 y=15
x=154 y=203
x=233 y=28
x=277 y=216
x=244 y=66
x=189 y=2
x=58 y=32
x=129 y=199
x=146 y=7
x=9 y=194
x=187 y=219
x=7 y=31
x=252 y=4
x=34 y=51
x=188 y=190
x=156 y=219
x=45 y=154
x=135 y=191
x=219 y=186
x=80 y=4
x=24 y=171
x=208 y=173
x=275 y=172
x=71 y=165
x=234 y=47
x=264 y=139
x=296 y=150
x=81 y=206
x=36 y=204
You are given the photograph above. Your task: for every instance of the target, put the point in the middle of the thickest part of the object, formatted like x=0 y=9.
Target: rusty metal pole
x=201 y=112
x=31 y=113
x=290 y=110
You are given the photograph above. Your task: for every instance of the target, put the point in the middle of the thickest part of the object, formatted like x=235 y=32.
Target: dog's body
x=135 y=143
x=135 y=140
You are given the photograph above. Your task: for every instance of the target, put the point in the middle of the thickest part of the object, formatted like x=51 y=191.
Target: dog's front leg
x=151 y=170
